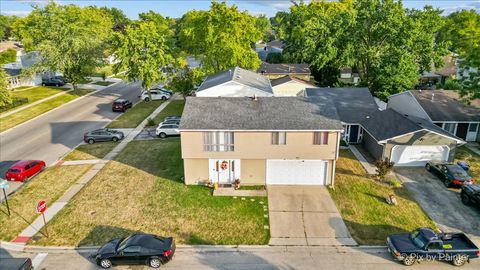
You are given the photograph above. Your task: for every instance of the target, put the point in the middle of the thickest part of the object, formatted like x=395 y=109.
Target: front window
x=218 y=141
x=417 y=239
x=320 y=138
x=450 y=127
x=279 y=138
x=472 y=127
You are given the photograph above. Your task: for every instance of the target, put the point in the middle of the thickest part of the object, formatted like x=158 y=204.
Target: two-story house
x=262 y=140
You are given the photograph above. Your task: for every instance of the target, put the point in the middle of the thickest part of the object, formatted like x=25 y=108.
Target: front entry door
x=472 y=132
x=224 y=171
x=462 y=129
x=353 y=134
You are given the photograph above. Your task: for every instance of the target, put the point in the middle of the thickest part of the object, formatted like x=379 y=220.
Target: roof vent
x=367 y=117
x=433 y=96
x=406 y=115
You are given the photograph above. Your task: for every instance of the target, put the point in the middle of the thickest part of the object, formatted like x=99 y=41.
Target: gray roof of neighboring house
x=264 y=113
x=387 y=124
x=29 y=59
x=12 y=72
x=444 y=105
x=239 y=75
x=267 y=68
x=353 y=104
x=276 y=43
x=288 y=78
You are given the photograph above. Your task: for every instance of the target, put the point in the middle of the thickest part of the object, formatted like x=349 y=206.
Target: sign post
x=4 y=185
x=41 y=208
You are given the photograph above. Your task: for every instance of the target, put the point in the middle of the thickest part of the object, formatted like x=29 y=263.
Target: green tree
x=264 y=26
x=8 y=56
x=6 y=23
x=70 y=39
x=222 y=37
x=5 y=95
x=120 y=20
x=143 y=51
x=186 y=80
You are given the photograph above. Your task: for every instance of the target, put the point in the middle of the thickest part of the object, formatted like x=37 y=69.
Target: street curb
x=56 y=108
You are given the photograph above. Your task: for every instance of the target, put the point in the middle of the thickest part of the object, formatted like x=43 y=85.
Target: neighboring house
x=274 y=71
x=346 y=76
x=290 y=86
x=443 y=108
x=274 y=46
x=279 y=140
x=353 y=106
x=235 y=82
x=14 y=70
x=407 y=140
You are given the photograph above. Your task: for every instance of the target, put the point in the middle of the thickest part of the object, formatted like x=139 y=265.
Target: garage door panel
x=296 y=172
x=403 y=155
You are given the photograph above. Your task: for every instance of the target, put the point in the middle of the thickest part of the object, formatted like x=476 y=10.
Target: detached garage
x=407 y=140
x=297 y=172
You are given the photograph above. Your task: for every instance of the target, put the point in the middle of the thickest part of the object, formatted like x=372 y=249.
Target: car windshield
x=13 y=170
x=417 y=239
x=457 y=172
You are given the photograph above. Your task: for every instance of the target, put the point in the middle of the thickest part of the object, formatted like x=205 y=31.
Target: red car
x=24 y=170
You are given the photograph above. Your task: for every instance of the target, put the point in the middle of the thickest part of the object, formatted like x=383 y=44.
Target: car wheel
x=155 y=263
x=162 y=135
x=459 y=260
x=105 y=263
x=447 y=183
x=428 y=167
x=147 y=99
x=91 y=141
x=115 y=139
x=164 y=98
x=465 y=198
x=409 y=261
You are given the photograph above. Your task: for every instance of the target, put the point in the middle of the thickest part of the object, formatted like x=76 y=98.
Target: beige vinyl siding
x=195 y=170
x=253 y=171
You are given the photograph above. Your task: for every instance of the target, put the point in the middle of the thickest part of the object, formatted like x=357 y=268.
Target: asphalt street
x=52 y=135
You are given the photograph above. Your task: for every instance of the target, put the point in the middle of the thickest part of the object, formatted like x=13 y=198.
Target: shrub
x=274 y=58
x=343 y=143
x=452 y=85
x=8 y=56
x=384 y=167
x=150 y=122
x=395 y=183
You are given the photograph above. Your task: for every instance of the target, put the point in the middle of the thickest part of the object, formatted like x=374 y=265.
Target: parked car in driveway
x=451 y=174
x=155 y=95
x=173 y=117
x=102 y=135
x=121 y=105
x=167 y=130
x=141 y=249
x=171 y=122
x=470 y=195
x=53 y=82
x=24 y=169
x=16 y=264
x=163 y=90
x=425 y=244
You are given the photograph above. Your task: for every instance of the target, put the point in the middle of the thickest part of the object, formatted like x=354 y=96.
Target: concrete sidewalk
x=54 y=208
x=370 y=168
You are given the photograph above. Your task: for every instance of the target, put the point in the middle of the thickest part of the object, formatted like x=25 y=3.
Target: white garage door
x=296 y=172
x=418 y=155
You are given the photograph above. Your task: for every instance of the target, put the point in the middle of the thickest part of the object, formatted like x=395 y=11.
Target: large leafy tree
x=185 y=80
x=70 y=39
x=222 y=37
x=120 y=20
x=5 y=95
x=6 y=23
x=143 y=52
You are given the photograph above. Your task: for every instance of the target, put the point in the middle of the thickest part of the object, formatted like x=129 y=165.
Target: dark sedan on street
x=140 y=249
x=451 y=174
x=102 y=135
x=53 y=82
x=121 y=105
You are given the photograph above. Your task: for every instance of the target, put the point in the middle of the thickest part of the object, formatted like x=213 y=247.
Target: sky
x=177 y=8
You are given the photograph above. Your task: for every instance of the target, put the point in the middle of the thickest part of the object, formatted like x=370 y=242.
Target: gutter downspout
x=335 y=161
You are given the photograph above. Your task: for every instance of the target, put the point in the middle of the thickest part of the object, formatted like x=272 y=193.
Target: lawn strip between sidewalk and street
x=362 y=204
x=142 y=190
x=91 y=151
x=134 y=116
x=34 y=94
x=49 y=185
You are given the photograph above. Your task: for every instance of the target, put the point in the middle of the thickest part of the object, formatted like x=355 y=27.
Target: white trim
x=428 y=130
x=261 y=130
x=458 y=122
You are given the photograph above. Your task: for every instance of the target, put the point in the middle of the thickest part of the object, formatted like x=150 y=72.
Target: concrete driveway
x=305 y=216
x=442 y=204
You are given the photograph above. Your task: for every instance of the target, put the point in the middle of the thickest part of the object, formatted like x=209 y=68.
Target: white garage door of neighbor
x=296 y=172
x=418 y=155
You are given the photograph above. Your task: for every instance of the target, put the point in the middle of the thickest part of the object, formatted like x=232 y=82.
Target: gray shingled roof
x=353 y=104
x=267 y=68
x=288 y=78
x=239 y=75
x=445 y=106
x=265 y=113
x=386 y=124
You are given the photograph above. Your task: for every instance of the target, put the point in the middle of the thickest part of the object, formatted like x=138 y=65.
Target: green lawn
x=34 y=94
x=104 y=83
x=463 y=153
x=91 y=151
x=50 y=185
x=142 y=190
x=361 y=202
x=108 y=69
x=174 y=108
x=43 y=107
x=134 y=116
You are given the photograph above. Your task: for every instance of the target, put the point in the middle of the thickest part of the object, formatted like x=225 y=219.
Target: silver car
x=164 y=130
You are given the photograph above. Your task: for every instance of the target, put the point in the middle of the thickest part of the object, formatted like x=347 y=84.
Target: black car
x=451 y=174
x=102 y=135
x=470 y=195
x=16 y=264
x=121 y=105
x=53 y=82
x=144 y=249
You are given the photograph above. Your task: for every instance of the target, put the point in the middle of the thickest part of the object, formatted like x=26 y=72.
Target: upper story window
x=320 y=138
x=218 y=141
x=279 y=138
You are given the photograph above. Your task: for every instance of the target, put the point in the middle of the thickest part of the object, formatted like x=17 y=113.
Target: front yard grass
x=49 y=185
x=91 y=151
x=142 y=190
x=465 y=154
x=134 y=116
x=34 y=94
x=103 y=83
x=175 y=108
x=362 y=204
x=43 y=107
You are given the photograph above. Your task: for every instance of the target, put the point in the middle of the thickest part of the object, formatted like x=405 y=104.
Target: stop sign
x=41 y=206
